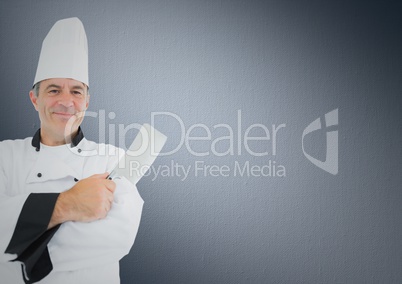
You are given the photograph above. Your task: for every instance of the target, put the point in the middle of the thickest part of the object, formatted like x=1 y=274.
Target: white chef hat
x=64 y=52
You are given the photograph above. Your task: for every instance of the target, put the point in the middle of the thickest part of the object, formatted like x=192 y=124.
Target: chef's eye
x=77 y=93
x=53 y=92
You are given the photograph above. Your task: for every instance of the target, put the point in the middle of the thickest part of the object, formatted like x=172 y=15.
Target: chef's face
x=61 y=104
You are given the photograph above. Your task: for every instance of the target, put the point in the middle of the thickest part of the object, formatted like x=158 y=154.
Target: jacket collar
x=77 y=139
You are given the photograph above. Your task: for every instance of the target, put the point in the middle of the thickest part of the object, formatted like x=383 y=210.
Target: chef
x=61 y=219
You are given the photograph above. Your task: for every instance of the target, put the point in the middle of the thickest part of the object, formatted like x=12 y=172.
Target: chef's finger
x=110 y=185
x=100 y=176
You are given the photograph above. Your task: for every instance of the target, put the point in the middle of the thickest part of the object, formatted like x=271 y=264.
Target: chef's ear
x=33 y=98
x=87 y=101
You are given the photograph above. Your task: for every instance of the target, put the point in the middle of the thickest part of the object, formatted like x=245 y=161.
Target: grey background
x=279 y=62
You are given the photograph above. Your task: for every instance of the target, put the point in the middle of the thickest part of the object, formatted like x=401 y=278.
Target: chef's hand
x=89 y=200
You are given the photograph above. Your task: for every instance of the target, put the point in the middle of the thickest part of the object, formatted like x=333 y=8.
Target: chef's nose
x=66 y=98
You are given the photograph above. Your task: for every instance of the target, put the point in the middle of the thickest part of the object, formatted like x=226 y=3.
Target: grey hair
x=35 y=89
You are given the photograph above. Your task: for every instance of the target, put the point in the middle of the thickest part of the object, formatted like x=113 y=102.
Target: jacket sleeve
x=23 y=222
x=78 y=245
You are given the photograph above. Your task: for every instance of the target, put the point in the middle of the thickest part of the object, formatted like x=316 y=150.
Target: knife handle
x=112 y=175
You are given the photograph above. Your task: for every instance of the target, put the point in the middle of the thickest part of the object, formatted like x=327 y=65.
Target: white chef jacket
x=31 y=177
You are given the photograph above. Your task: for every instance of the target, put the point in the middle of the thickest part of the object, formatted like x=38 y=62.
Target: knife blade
x=140 y=155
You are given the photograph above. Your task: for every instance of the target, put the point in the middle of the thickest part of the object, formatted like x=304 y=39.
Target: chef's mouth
x=64 y=114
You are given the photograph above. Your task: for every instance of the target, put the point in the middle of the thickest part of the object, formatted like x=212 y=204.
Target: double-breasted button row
x=40 y=175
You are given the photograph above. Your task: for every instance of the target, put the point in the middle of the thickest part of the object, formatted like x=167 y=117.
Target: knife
x=140 y=155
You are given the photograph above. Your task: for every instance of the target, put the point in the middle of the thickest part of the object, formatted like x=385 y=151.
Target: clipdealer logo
x=257 y=140
x=330 y=164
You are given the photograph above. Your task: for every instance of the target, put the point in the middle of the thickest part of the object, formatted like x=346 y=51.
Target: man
x=61 y=219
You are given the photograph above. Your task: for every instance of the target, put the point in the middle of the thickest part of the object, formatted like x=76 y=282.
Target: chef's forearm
x=61 y=212
x=89 y=200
